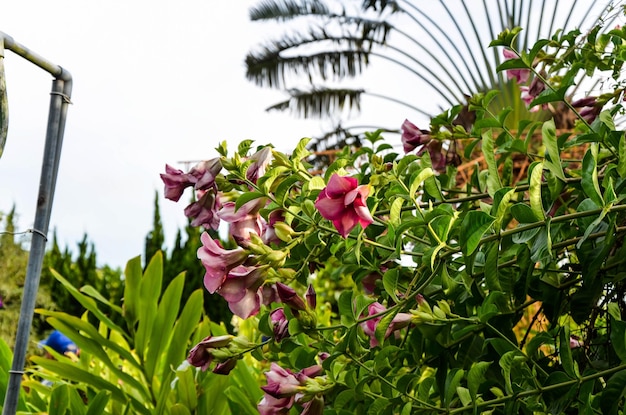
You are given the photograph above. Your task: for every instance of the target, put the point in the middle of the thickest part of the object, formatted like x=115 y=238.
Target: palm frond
x=287 y=9
x=319 y=102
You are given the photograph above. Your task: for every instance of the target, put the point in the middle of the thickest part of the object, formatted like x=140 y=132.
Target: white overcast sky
x=155 y=82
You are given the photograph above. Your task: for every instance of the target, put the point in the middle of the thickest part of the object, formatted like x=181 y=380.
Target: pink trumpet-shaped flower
x=218 y=261
x=201 y=354
x=244 y=220
x=413 y=137
x=203 y=212
x=343 y=202
x=261 y=159
x=280 y=324
x=241 y=290
x=369 y=327
x=520 y=75
x=176 y=181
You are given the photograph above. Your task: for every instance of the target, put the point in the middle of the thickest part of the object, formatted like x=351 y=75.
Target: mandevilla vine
x=492 y=282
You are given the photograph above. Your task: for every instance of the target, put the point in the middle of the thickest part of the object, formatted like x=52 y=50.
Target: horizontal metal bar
x=21 y=50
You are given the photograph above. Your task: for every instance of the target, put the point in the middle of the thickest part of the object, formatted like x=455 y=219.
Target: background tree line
x=79 y=265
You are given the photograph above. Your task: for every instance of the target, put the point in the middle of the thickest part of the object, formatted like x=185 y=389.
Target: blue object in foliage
x=60 y=343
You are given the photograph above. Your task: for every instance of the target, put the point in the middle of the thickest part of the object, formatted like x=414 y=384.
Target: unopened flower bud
x=283 y=231
x=289 y=296
x=311 y=297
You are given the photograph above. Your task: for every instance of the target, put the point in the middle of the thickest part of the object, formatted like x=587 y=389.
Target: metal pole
x=59 y=101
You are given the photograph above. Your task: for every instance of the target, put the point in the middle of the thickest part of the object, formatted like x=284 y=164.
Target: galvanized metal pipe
x=59 y=101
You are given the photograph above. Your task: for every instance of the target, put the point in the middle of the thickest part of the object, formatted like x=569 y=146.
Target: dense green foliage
x=499 y=291
x=139 y=365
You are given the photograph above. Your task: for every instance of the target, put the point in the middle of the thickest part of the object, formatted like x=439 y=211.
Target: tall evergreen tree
x=156 y=238
x=13 y=263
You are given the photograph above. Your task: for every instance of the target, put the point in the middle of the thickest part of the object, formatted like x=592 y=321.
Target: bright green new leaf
x=534 y=191
x=418 y=179
x=476 y=377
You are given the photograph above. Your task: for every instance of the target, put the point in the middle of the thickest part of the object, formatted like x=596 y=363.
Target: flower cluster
x=285 y=388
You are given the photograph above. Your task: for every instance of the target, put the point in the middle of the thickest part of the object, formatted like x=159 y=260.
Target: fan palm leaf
x=441 y=45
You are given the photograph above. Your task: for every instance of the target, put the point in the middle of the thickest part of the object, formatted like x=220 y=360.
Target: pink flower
x=274 y=406
x=269 y=232
x=280 y=324
x=343 y=202
x=218 y=261
x=243 y=221
x=261 y=160
x=369 y=326
x=289 y=296
x=284 y=388
x=520 y=75
x=281 y=383
x=176 y=182
x=589 y=108
x=240 y=289
x=203 y=212
x=413 y=137
x=201 y=356
x=205 y=173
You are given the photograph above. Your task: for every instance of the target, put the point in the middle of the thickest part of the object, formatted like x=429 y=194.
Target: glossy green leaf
x=98 y=403
x=59 y=400
x=552 y=153
x=613 y=393
x=346 y=308
x=565 y=353
x=161 y=334
x=618 y=338
x=473 y=227
x=491 y=267
x=418 y=178
x=476 y=377
x=179 y=409
x=534 y=191
x=390 y=282
x=523 y=213
x=493 y=179
x=247 y=197
x=149 y=292
x=589 y=180
x=132 y=280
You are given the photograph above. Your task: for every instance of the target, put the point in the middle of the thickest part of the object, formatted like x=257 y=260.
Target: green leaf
x=552 y=153
x=473 y=227
x=346 y=309
x=618 y=338
x=493 y=179
x=491 y=267
x=395 y=211
x=589 y=180
x=613 y=393
x=98 y=403
x=179 y=409
x=132 y=279
x=453 y=380
x=163 y=326
x=418 y=179
x=476 y=377
x=149 y=292
x=523 y=213
x=390 y=282
x=282 y=189
x=247 y=197
x=184 y=327
x=534 y=191
x=383 y=325
x=621 y=163
x=565 y=353
x=59 y=400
